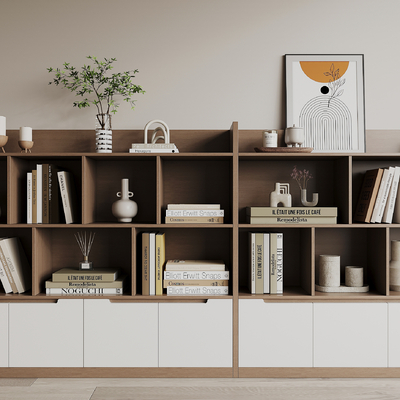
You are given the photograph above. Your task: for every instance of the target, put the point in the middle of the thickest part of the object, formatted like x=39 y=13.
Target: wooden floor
x=199 y=389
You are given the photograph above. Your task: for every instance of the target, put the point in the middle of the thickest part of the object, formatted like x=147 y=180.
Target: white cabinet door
x=275 y=334
x=46 y=335
x=196 y=334
x=350 y=335
x=120 y=334
x=4 y=335
x=394 y=335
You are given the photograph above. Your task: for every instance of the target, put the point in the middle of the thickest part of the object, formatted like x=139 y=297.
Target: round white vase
x=124 y=209
x=394 y=266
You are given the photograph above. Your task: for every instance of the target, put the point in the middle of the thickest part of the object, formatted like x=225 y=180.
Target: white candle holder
x=25 y=146
x=3 y=142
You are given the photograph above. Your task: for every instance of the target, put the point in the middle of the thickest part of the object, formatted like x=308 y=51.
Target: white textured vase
x=124 y=209
x=306 y=203
x=394 y=266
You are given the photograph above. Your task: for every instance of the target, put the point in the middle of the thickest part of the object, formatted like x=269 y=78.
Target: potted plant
x=96 y=81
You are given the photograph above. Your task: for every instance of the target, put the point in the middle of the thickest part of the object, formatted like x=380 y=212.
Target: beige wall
x=203 y=63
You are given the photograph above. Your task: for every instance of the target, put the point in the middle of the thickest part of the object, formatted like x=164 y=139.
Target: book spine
x=95 y=277
x=293 y=220
x=385 y=196
x=39 y=193
x=34 y=196
x=84 y=284
x=45 y=193
x=379 y=196
x=160 y=260
x=194 y=220
x=54 y=195
x=156 y=146
x=174 y=150
x=279 y=263
x=266 y=262
x=391 y=201
x=291 y=211
x=193 y=282
x=145 y=263
x=5 y=274
x=272 y=263
x=64 y=183
x=152 y=264
x=194 y=213
x=196 y=275
x=83 y=291
x=193 y=206
x=252 y=262
x=197 y=290
x=29 y=197
x=259 y=263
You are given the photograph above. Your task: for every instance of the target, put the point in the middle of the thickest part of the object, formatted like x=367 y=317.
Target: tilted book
x=4 y=276
x=196 y=275
x=17 y=263
x=200 y=265
x=68 y=196
x=382 y=196
x=95 y=275
x=391 y=201
x=197 y=290
x=367 y=197
x=194 y=282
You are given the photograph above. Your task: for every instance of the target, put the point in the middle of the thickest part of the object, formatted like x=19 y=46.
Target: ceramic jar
x=124 y=209
x=294 y=136
x=394 y=266
x=329 y=270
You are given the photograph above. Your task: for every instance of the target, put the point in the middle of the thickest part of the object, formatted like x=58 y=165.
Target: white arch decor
x=325 y=96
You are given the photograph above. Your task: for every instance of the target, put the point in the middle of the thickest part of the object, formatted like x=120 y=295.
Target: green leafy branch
x=93 y=79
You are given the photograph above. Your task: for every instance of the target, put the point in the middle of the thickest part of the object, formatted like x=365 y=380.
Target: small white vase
x=394 y=266
x=306 y=203
x=124 y=209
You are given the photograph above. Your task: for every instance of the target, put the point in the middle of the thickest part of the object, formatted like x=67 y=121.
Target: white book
x=197 y=290
x=67 y=198
x=279 y=263
x=193 y=207
x=154 y=150
x=83 y=291
x=391 y=201
x=266 y=263
x=196 y=275
x=252 y=262
x=259 y=263
x=194 y=213
x=152 y=263
x=29 y=197
x=382 y=196
x=39 y=193
x=17 y=263
x=3 y=275
x=199 y=265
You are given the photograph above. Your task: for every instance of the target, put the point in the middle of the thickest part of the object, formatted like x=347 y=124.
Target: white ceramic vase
x=306 y=203
x=124 y=209
x=394 y=266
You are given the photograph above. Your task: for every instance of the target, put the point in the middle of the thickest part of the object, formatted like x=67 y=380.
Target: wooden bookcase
x=213 y=166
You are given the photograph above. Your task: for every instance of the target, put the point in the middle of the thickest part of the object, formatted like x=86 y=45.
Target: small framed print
x=325 y=97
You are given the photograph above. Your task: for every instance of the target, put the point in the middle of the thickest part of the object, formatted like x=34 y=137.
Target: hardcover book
x=197 y=290
x=160 y=261
x=193 y=207
x=291 y=212
x=68 y=196
x=382 y=195
x=95 y=275
x=194 y=282
x=194 y=220
x=196 y=275
x=293 y=220
x=145 y=263
x=200 y=265
x=84 y=291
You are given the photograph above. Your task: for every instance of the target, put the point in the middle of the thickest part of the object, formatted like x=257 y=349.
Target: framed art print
x=325 y=96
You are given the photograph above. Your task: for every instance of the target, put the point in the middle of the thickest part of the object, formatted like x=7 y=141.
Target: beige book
x=118 y=283
x=145 y=263
x=76 y=275
x=259 y=263
x=201 y=265
x=194 y=220
x=193 y=282
x=160 y=261
x=193 y=207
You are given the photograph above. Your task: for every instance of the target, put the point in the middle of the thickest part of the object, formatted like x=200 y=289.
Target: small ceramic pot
x=124 y=209
x=294 y=136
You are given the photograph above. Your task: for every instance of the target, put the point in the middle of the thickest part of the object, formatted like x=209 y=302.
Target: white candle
x=3 y=126
x=25 y=133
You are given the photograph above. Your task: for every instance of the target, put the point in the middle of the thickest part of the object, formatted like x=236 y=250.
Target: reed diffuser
x=85 y=244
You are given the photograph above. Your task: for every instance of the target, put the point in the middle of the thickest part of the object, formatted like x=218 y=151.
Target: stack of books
x=15 y=271
x=153 y=260
x=194 y=213
x=291 y=215
x=51 y=196
x=71 y=281
x=265 y=263
x=196 y=278
x=378 y=195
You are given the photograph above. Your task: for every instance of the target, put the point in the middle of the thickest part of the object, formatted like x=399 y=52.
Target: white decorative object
x=124 y=209
x=25 y=133
x=2 y=126
x=354 y=276
x=103 y=133
x=304 y=201
x=294 y=136
x=159 y=133
x=329 y=270
x=270 y=139
x=281 y=194
x=394 y=266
